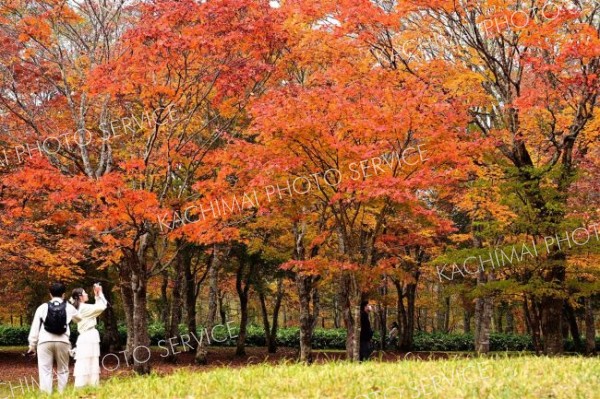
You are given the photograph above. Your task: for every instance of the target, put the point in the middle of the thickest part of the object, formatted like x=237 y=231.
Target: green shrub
x=510 y=342
x=224 y=335
x=442 y=342
x=290 y=337
x=328 y=339
x=13 y=336
x=255 y=336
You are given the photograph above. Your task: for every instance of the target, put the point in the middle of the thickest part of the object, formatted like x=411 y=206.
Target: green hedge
x=322 y=338
x=464 y=342
x=13 y=336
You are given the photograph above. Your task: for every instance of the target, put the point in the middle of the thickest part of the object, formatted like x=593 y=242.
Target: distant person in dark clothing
x=366 y=333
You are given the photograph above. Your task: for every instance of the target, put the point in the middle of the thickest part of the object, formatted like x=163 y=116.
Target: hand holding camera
x=97 y=289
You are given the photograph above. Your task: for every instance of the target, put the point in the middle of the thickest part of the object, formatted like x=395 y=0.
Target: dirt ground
x=15 y=368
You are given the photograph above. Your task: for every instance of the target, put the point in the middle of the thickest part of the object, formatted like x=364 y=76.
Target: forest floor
x=499 y=376
x=16 y=368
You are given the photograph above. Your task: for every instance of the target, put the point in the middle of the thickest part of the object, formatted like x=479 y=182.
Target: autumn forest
x=276 y=163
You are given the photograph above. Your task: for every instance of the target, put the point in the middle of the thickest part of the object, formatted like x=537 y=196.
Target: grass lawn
x=500 y=377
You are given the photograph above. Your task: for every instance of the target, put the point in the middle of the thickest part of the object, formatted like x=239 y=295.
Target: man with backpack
x=49 y=338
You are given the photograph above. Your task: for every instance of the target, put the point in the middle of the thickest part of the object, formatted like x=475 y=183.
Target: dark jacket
x=366 y=333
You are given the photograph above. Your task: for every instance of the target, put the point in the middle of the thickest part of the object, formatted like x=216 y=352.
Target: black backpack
x=56 y=320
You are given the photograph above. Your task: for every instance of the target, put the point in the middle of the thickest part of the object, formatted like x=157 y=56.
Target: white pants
x=47 y=353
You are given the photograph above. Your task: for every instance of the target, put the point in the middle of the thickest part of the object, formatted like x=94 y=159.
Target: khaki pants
x=47 y=353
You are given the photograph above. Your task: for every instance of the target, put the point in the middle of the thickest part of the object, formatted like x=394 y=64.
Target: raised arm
x=101 y=302
x=97 y=308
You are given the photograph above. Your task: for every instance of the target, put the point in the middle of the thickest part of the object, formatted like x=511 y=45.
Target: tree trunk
x=213 y=293
x=222 y=313
x=127 y=298
x=467 y=321
x=383 y=326
x=164 y=300
x=141 y=339
x=573 y=327
x=528 y=329
x=552 y=325
x=307 y=292
x=275 y=326
x=357 y=329
x=242 y=285
x=552 y=309
x=265 y=317
x=111 y=341
x=440 y=311
x=533 y=320
x=447 y=315
x=190 y=301
x=499 y=328
x=401 y=316
x=383 y=315
x=215 y=263
x=565 y=326
x=409 y=332
x=483 y=316
x=336 y=313
x=177 y=298
x=241 y=341
x=590 y=328
x=351 y=316
x=510 y=320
